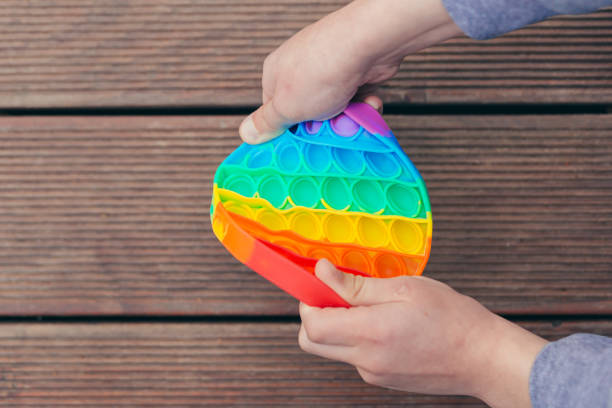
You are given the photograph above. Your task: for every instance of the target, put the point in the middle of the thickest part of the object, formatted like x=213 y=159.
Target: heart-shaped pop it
x=341 y=189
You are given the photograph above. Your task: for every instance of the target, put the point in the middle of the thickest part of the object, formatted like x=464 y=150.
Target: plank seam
x=390 y=109
x=263 y=319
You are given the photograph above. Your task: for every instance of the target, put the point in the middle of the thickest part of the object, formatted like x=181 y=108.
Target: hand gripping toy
x=341 y=189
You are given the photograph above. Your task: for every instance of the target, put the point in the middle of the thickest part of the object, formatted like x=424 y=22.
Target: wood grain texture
x=109 y=215
x=194 y=365
x=72 y=53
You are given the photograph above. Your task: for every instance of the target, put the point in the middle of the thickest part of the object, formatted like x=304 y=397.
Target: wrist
x=388 y=30
x=507 y=353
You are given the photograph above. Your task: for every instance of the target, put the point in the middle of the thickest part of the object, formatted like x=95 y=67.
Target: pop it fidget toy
x=340 y=189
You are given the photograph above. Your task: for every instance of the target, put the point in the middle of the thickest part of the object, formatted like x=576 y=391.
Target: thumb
x=359 y=290
x=264 y=124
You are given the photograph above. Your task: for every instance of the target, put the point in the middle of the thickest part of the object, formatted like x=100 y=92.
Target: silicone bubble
x=260 y=158
x=356 y=260
x=239 y=209
x=313 y=127
x=372 y=232
x=237 y=157
x=288 y=157
x=369 y=195
x=406 y=235
x=341 y=189
x=317 y=157
x=342 y=125
x=271 y=220
x=273 y=189
x=348 y=160
x=403 y=199
x=336 y=193
x=306 y=225
x=382 y=165
x=387 y=265
x=338 y=228
x=243 y=185
x=304 y=192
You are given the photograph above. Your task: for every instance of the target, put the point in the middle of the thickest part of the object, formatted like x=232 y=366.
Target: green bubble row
x=336 y=193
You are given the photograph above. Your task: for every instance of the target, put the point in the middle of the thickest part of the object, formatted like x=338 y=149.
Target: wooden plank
x=199 y=364
x=109 y=215
x=69 y=53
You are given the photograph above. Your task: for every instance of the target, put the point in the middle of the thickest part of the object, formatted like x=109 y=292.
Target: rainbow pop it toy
x=341 y=189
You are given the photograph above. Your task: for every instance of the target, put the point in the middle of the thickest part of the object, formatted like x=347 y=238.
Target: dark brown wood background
x=113 y=290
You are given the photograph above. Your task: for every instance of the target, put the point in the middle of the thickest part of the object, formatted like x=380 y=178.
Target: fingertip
x=263 y=124
x=247 y=131
x=375 y=102
x=326 y=271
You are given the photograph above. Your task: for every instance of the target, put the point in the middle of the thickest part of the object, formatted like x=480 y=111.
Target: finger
x=264 y=124
x=268 y=77
x=367 y=376
x=336 y=326
x=267 y=87
x=339 y=353
x=265 y=96
x=362 y=291
x=375 y=102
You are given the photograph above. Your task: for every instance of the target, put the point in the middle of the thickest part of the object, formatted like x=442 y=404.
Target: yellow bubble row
x=395 y=233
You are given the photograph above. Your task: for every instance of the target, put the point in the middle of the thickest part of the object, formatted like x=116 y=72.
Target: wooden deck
x=114 y=118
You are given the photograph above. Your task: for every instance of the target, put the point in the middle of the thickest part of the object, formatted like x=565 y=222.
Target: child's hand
x=417 y=334
x=315 y=73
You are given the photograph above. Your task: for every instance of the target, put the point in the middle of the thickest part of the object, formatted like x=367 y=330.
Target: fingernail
x=248 y=132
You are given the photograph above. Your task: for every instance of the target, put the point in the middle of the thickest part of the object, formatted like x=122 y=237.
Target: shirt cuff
x=575 y=371
x=483 y=19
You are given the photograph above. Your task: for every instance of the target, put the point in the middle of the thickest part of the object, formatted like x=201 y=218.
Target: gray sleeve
x=575 y=371
x=482 y=19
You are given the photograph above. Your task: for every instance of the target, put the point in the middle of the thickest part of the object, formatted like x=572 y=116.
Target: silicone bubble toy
x=340 y=189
